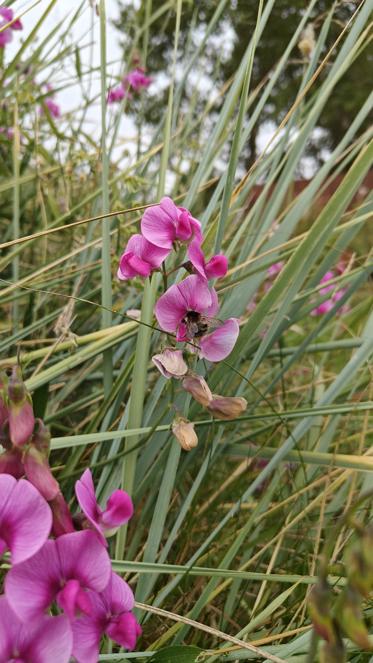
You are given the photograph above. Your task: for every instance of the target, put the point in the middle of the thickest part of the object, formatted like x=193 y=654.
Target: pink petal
x=197 y=295
x=48 y=639
x=158 y=226
x=6 y=13
x=118 y=596
x=82 y=556
x=21 y=423
x=197 y=258
x=217 y=266
x=124 y=630
x=73 y=599
x=6 y=37
x=17 y=24
x=25 y=518
x=212 y=310
x=87 y=634
x=220 y=343
x=38 y=578
x=140 y=258
x=119 y=509
x=85 y=494
x=170 y=309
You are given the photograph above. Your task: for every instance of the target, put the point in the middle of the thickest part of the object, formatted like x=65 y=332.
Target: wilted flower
x=307 y=42
x=137 y=79
x=188 y=308
x=185 y=433
x=140 y=258
x=21 y=416
x=25 y=518
x=110 y=614
x=216 y=267
x=62 y=570
x=227 y=407
x=170 y=363
x=48 y=639
x=197 y=386
x=165 y=224
x=119 y=508
x=6 y=15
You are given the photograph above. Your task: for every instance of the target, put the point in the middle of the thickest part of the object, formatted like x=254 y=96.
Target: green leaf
x=177 y=654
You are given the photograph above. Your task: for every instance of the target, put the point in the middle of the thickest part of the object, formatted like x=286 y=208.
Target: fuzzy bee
x=198 y=325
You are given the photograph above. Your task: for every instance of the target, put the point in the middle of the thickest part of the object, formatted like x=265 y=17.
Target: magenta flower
x=328 y=304
x=188 y=308
x=217 y=266
x=116 y=94
x=62 y=570
x=49 y=639
x=137 y=79
x=25 y=518
x=165 y=223
x=140 y=258
x=110 y=614
x=54 y=109
x=274 y=269
x=119 y=508
x=6 y=15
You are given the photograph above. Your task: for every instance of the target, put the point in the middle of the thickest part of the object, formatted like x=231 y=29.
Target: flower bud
x=349 y=616
x=38 y=472
x=170 y=363
x=3 y=407
x=320 y=610
x=197 y=386
x=11 y=463
x=185 y=433
x=62 y=520
x=21 y=415
x=41 y=438
x=227 y=407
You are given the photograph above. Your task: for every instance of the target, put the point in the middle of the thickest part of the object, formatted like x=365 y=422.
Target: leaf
x=177 y=654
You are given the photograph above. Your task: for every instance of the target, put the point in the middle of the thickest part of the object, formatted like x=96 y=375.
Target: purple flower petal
x=6 y=37
x=7 y=14
x=220 y=343
x=87 y=634
x=119 y=509
x=158 y=224
x=48 y=639
x=170 y=309
x=196 y=294
x=140 y=258
x=217 y=266
x=86 y=496
x=25 y=518
x=124 y=630
x=214 y=268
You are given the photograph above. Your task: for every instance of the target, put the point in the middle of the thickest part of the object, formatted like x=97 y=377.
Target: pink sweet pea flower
x=25 y=518
x=165 y=224
x=48 y=639
x=328 y=304
x=187 y=308
x=137 y=79
x=6 y=36
x=54 y=109
x=118 y=511
x=110 y=614
x=274 y=269
x=62 y=570
x=140 y=258
x=116 y=94
x=216 y=267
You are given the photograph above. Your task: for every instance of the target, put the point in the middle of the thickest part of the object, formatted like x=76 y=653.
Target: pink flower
x=165 y=223
x=6 y=35
x=274 y=269
x=25 y=518
x=118 y=511
x=116 y=94
x=137 y=79
x=54 y=109
x=62 y=571
x=110 y=614
x=217 y=266
x=187 y=308
x=328 y=304
x=140 y=258
x=49 y=639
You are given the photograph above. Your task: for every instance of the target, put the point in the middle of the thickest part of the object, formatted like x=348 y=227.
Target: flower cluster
x=59 y=561
x=135 y=80
x=7 y=16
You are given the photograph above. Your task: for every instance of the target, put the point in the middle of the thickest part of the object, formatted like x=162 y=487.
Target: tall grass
x=223 y=547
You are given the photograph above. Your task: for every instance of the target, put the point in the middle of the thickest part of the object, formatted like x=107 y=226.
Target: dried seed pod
x=185 y=433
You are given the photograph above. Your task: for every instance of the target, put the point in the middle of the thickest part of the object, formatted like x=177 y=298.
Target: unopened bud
x=349 y=616
x=320 y=610
x=21 y=415
x=333 y=652
x=62 y=520
x=185 y=433
x=38 y=472
x=307 y=43
x=3 y=407
x=11 y=463
x=197 y=386
x=41 y=438
x=227 y=407
x=171 y=363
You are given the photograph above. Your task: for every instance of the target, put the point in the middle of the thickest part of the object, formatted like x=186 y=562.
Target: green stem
x=106 y=293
